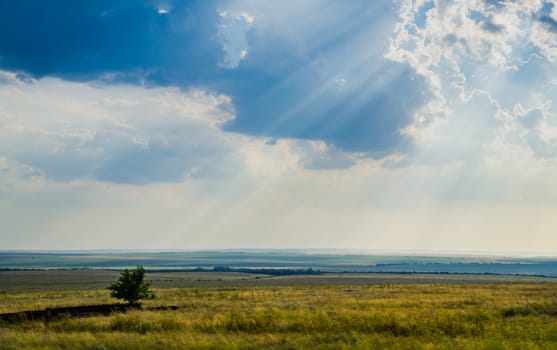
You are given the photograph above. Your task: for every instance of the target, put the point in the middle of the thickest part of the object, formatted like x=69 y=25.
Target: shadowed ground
x=54 y=313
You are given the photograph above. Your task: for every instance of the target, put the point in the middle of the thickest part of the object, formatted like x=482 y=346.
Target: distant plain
x=282 y=259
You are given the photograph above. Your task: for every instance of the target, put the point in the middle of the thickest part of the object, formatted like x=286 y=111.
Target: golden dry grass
x=383 y=316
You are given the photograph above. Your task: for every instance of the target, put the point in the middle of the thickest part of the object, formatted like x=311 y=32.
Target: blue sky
x=247 y=124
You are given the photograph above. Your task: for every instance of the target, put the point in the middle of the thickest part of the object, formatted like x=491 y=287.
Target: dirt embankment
x=73 y=311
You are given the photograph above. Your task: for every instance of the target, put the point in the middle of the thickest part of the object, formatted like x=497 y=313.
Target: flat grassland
x=245 y=311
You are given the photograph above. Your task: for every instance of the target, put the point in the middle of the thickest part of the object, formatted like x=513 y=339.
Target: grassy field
x=238 y=311
x=40 y=280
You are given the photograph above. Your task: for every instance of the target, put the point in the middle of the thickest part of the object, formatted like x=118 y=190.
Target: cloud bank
x=209 y=124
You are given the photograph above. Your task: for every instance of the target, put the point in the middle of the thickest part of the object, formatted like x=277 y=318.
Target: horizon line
x=348 y=251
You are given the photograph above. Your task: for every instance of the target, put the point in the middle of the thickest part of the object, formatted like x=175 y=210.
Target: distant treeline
x=273 y=272
x=259 y=271
x=300 y=271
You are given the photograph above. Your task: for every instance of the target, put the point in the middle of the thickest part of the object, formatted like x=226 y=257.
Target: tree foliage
x=131 y=286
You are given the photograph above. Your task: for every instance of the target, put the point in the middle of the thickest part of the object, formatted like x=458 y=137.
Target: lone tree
x=131 y=286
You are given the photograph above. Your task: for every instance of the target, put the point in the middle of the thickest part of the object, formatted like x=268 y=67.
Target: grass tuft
x=548 y=309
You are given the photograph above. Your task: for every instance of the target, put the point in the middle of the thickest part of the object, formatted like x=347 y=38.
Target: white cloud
x=545 y=38
x=340 y=82
x=117 y=133
x=466 y=49
x=163 y=7
x=232 y=31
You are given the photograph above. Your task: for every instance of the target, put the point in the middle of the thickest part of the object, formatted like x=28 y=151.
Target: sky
x=206 y=124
